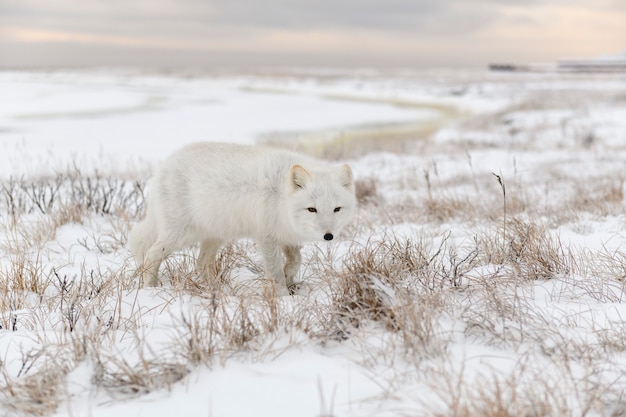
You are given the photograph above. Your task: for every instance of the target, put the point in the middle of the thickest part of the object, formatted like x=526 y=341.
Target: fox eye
x=312 y=210
x=336 y=210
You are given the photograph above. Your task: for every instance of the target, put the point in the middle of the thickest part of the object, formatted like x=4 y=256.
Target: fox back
x=232 y=191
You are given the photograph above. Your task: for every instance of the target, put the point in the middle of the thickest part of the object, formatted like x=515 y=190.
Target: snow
x=558 y=153
x=108 y=120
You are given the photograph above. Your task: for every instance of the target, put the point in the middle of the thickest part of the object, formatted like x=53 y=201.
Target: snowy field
x=484 y=275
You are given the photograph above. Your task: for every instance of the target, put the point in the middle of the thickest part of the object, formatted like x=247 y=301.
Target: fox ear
x=346 y=177
x=299 y=177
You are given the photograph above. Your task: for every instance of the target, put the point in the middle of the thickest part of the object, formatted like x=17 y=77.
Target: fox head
x=321 y=202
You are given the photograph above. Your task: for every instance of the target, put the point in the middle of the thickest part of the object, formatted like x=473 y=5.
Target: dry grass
x=366 y=191
x=605 y=197
x=407 y=286
x=399 y=294
x=404 y=286
x=34 y=395
x=529 y=250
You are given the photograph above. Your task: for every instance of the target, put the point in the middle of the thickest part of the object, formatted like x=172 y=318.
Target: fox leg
x=160 y=250
x=271 y=251
x=293 y=259
x=206 y=257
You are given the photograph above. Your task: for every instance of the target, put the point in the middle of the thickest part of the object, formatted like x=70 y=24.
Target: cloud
x=186 y=18
x=387 y=29
x=172 y=17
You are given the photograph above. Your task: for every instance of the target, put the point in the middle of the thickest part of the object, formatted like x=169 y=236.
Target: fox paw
x=297 y=288
x=293 y=289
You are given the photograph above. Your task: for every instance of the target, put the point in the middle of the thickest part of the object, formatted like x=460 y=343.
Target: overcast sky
x=306 y=32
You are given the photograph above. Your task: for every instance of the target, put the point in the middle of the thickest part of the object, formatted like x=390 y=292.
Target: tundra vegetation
x=484 y=276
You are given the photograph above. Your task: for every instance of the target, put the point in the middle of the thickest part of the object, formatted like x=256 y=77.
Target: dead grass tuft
x=23 y=276
x=605 y=197
x=33 y=395
x=366 y=191
x=445 y=208
x=528 y=390
x=400 y=284
x=367 y=287
x=120 y=377
x=529 y=249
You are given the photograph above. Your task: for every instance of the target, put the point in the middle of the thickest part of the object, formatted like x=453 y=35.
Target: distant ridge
x=612 y=63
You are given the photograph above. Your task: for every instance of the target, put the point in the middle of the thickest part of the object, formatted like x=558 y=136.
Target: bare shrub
x=94 y=194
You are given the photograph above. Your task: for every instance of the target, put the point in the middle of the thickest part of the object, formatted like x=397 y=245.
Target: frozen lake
x=108 y=120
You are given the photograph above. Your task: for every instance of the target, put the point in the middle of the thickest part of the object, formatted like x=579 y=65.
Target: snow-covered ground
x=484 y=275
x=107 y=120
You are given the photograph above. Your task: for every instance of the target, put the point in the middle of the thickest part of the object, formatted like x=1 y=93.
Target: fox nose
x=328 y=236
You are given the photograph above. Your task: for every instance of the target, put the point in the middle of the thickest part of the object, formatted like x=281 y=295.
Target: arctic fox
x=213 y=193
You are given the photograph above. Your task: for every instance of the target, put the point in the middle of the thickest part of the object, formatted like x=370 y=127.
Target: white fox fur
x=213 y=193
